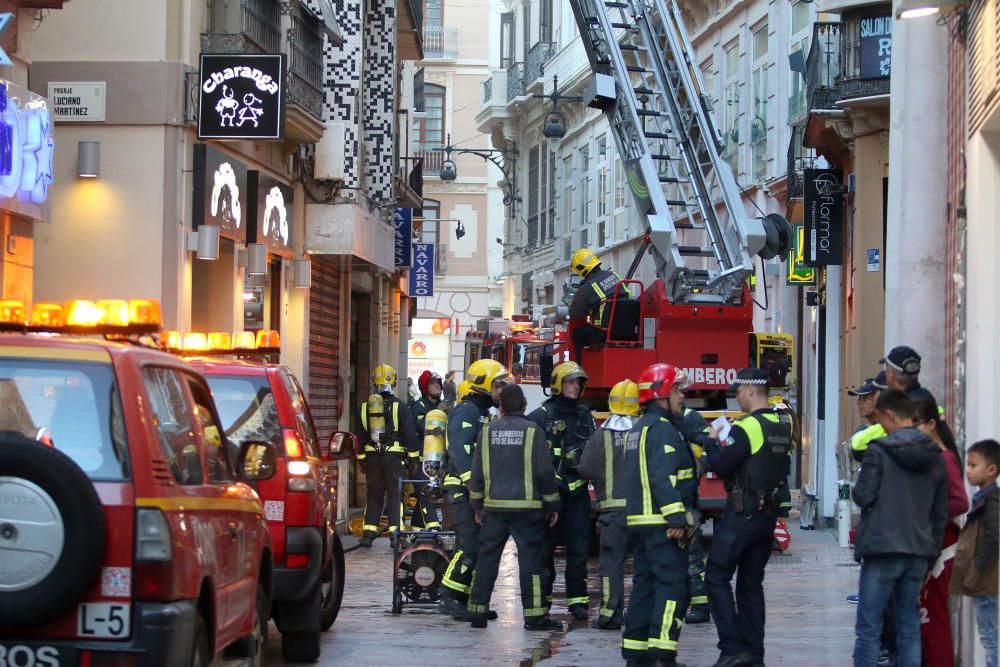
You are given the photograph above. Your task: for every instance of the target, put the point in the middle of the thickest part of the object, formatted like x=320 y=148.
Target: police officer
x=867 y=394
x=695 y=430
x=431 y=387
x=513 y=491
x=589 y=300
x=659 y=496
x=568 y=426
x=390 y=444
x=902 y=372
x=754 y=462
x=486 y=378
x=603 y=462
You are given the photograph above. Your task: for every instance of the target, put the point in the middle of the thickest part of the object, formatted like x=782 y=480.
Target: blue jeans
x=883 y=578
x=986 y=621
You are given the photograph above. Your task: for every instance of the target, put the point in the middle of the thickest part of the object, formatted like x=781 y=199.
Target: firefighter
x=486 y=378
x=431 y=387
x=660 y=489
x=390 y=446
x=589 y=301
x=603 y=463
x=568 y=426
x=695 y=430
x=513 y=491
x=754 y=462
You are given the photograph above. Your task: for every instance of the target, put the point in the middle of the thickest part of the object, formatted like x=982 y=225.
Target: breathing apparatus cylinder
x=435 y=426
x=376 y=418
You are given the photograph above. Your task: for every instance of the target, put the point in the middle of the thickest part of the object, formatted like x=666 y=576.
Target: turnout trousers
x=382 y=474
x=528 y=531
x=614 y=549
x=696 y=570
x=457 y=580
x=572 y=530
x=741 y=545
x=659 y=597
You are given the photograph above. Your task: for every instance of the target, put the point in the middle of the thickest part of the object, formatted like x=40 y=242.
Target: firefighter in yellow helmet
x=568 y=426
x=603 y=462
x=485 y=378
x=591 y=301
x=390 y=445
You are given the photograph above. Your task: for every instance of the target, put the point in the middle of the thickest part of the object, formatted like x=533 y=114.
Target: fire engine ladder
x=702 y=240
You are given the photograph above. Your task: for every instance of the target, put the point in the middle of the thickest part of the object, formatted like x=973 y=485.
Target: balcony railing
x=440 y=42
x=515 y=81
x=432 y=159
x=824 y=66
x=305 y=47
x=538 y=55
x=799 y=159
x=495 y=88
x=487 y=90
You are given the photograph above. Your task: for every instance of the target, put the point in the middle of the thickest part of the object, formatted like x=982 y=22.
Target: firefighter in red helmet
x=431 y=388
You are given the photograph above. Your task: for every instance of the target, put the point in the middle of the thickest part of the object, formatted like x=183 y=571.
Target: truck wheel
x=52 y=532
x=332 y=586
x=300 y=646
x=254 y=646
x=201 y=654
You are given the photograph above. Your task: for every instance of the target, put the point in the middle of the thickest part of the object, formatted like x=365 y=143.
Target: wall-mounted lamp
x=256 y=259
x=912 y=9
x=88 y=159
x=302 y=273
x=204 y=242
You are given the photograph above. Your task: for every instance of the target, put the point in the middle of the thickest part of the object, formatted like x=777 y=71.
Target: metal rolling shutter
x=325 y=399
x=984 y=62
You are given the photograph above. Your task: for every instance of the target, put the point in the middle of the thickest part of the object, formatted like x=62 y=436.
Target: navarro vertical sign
x=422 y=274
x=824 y=217
x=402 y=223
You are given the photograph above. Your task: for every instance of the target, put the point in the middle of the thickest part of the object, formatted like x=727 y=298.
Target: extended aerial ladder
x=649 y=86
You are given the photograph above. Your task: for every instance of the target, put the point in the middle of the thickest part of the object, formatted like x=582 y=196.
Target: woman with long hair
x=935 y=628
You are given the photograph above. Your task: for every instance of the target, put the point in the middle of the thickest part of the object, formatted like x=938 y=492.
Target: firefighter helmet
x=624 y=398
x=384 y=377
x=584 y=261
x=658 y=380
x=425 y=380
x=483 y=373
x=567 y=370
x=463 y=389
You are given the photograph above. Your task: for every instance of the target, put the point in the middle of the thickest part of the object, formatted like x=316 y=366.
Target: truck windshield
x=246 y=407
x=71 y=406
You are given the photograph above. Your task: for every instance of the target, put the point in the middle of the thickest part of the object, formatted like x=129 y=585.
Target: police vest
x=767 y=469
x=394 y=444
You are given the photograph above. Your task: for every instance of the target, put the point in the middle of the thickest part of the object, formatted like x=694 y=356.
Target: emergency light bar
x=82 y=316
x=219 y=343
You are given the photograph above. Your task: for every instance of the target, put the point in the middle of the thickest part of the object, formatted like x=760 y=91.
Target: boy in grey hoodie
x=903 y=495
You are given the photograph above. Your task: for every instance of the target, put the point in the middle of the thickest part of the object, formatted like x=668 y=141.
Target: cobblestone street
x=809 y=620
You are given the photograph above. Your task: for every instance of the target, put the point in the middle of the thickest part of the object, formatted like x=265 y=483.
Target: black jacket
x=596 y=287
x=568 y=426
x=465 y=423
x=511 y=468
x=419 y=410
x=902 y=490
x=401 y=436
x=603 y=462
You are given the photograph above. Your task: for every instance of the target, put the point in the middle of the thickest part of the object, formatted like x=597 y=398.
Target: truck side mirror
x=342 y=445
x=258 y=460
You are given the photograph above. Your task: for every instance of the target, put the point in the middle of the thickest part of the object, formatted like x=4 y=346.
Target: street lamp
x=504 y=159
x=911 y=9
x=554 y=125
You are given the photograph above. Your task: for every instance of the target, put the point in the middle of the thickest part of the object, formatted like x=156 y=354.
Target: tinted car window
x=174 y=424
x=72 y=406
x=221 y=459
x=246 y=408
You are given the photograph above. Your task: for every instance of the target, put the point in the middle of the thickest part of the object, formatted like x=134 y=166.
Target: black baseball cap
x=756 y=376
x=902 y=358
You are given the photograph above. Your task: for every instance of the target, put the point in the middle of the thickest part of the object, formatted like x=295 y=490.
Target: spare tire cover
x=52 y=532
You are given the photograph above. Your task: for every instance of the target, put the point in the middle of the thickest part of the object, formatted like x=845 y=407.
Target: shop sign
x=798 y=273
x=402 y=223
x=221 y=192
x=422 y=274
x=241 y=96
x=273 y=206
x=824 y=216
x=876 y=46
x=77 y=101
x=26 y=146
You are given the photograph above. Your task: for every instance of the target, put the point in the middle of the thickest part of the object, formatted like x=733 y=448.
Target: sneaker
x=579 y=611
x=543 y=623
x=853 y=599
x=697 y=615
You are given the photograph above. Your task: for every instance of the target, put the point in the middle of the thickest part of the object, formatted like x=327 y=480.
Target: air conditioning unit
x=329 y=164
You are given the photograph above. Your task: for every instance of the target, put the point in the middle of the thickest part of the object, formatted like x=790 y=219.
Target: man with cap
x=754 y=462
x=867 y=394
x=902 y=368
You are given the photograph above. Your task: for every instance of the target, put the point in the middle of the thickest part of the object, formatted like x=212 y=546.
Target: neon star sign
x=26 y=144
x=4 y=20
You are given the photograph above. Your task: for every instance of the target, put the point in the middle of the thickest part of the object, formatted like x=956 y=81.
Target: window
x=174 y=424
x=541 y=195
x=506 y=40
x=431 y=233
x=430 y=128
x=708 y=78
x=551 y=227
x=545 y=27
x=758 y=116
x=603 y=193
x=585 y=194
x=533 y=196
x=801 y=21
x=302 y=416
x=731 y=109
x=569 y=206
x=221 y=460
x=433 y=13
x=74 y=407
x=246 y=408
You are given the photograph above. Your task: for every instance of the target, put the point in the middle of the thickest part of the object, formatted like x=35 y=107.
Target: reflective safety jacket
x=590 y=296
x=511 y=468
x=660 y=481
x=401 y=436
x=756 y=461
x=862 y=438
x=568 y=426
x=419 y=410
x=465 y=423
x=603 y=462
